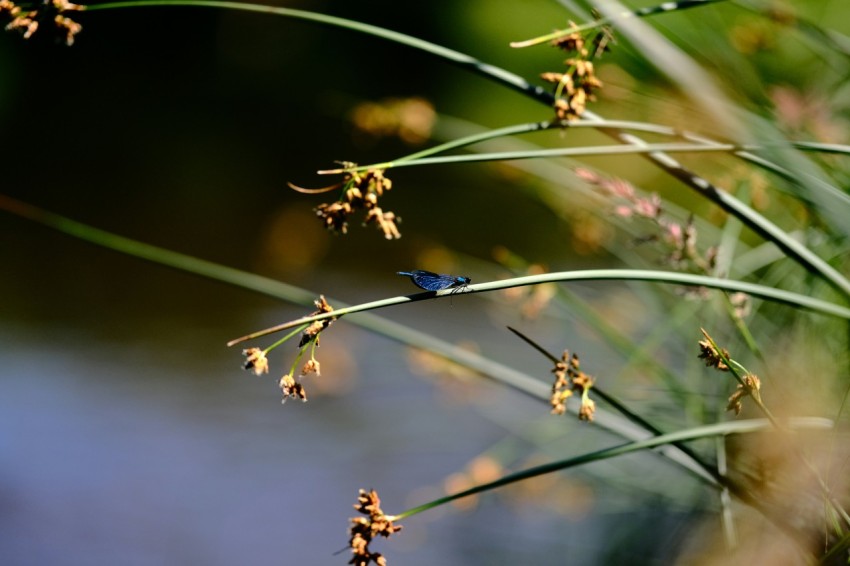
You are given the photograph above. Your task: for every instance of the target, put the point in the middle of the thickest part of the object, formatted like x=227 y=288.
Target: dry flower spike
x=360 y=190
x=291 y=389
x=311 y=333
x=713 y=357
x=575 y=87
x=569 y=379
x=31 y=21
x=751 y=387
x=256 y=359
x=364 y=529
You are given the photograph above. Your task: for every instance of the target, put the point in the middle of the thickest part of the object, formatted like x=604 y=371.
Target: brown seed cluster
x=256 y=360
x=361 y=191
x=570 y=379
x=575 y=87
x=364 y=529
x=712 y=356
x=311 y=333
x=291 y=388
x=750 y=387
x=28 y=22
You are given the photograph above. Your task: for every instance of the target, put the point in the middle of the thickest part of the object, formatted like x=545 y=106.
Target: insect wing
x=432 y=281
x=435 y=281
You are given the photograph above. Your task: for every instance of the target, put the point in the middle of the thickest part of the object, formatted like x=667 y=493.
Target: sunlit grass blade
x=670 y=277
x=397 y=332
x=623 y=14
x=708 y=431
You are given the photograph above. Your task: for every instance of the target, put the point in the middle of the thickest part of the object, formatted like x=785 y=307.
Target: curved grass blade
x=392 y=330
x=675 y=278
x=720 y=429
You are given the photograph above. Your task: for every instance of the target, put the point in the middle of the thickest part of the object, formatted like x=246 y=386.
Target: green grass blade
x=708 y=431
x=507 y=376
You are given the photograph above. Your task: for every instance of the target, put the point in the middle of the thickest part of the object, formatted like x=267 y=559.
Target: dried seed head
x=569 y=379
x=256 y=361
x=322 y=305
x=291 y=388
x=362 y=192
x=48 y=12
x=571 y=42
x=364 y=529
x=587 y=409
x=312 y=366
x=751 y=388
x=712 y=357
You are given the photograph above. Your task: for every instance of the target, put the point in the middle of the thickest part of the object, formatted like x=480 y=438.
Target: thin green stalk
x=394 y=331
x=156 y=254
x=727 y=518
x=841 y=199
x=284 y=339
x=486 y=367
x=675 y=278
x=298 y=358
x=473 y=139
x=708 y=431
x=743 y=328
x=697 y=144
x=739 y=372
x=741 y=151
x=543 y=153
x=640 y=13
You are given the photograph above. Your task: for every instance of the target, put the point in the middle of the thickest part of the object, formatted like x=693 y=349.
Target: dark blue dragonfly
x=436 y=282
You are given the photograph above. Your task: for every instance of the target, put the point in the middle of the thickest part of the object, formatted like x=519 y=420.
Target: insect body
x=436 y=282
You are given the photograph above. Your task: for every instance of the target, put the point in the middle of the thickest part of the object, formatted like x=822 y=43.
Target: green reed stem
x=676 y=278
x=485 y=366
x=284 y=339
x=708 y=431
x=643 y=12
x=741 y=151
x=423 y=157
x=543 y=153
